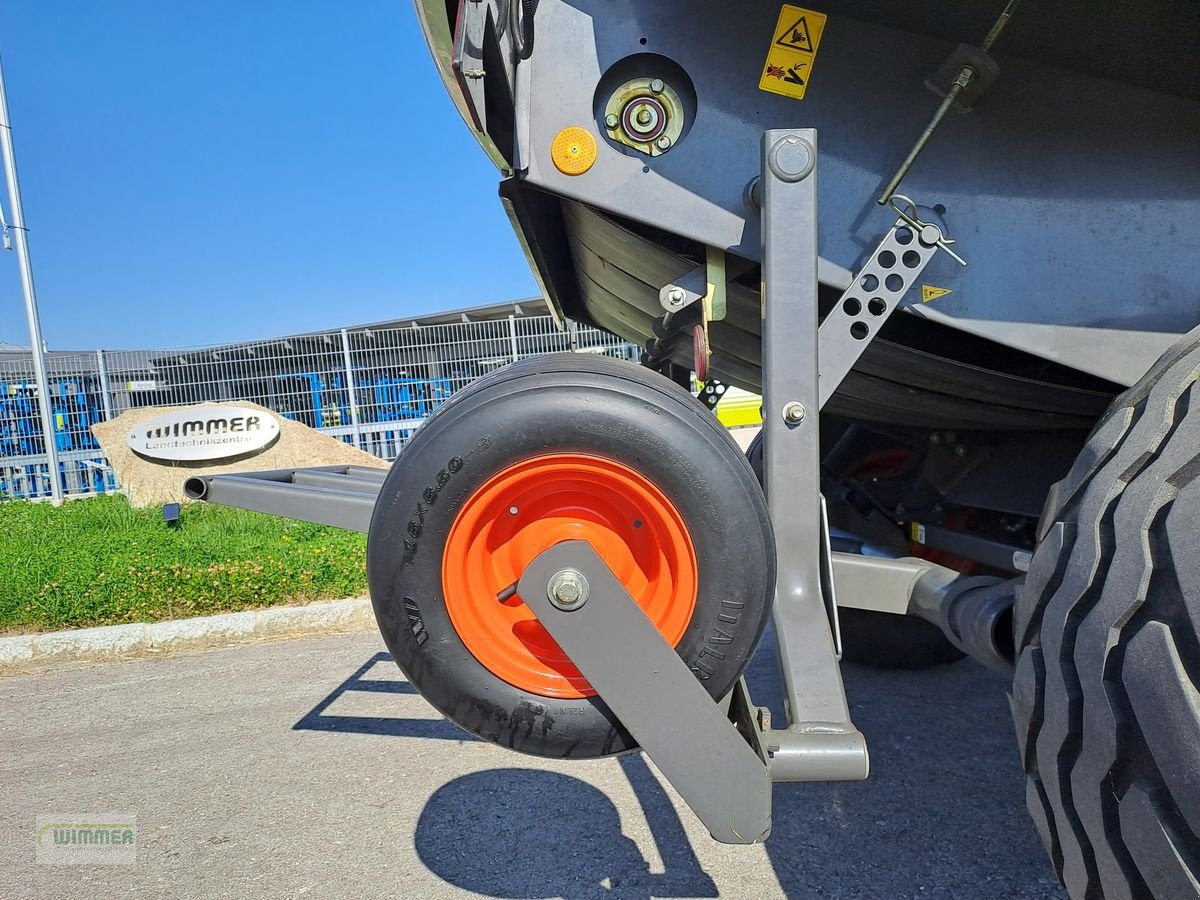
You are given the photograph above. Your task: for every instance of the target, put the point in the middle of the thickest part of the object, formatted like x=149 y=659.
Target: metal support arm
x=820 y=741
x=651 y=690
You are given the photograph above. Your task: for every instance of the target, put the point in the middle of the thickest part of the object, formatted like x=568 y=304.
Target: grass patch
x=101 y=562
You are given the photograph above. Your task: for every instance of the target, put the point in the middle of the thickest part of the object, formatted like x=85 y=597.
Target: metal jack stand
x=650 y=689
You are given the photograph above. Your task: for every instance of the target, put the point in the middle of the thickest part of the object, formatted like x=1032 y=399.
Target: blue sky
x=196 y=172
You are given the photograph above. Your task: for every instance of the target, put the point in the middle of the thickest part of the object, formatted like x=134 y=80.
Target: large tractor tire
x=1107 y=631
x=551 y=449
x=878 y=639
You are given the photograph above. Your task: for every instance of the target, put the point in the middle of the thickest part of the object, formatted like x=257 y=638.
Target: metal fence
x=370 y=387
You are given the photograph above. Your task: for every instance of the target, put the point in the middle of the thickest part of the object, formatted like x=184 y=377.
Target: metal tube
x=964 y=79
x=104 y=392
x=21 y=245
x=350 y=390
x=512 y=336
x=325 y=506
x=960 y=83
x=999 y=25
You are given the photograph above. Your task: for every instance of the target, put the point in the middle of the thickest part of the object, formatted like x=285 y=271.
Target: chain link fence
x=370 y=387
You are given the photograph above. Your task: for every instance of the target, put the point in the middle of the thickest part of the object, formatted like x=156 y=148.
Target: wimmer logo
x=87 y=840
x=205 y=426
x=202 y=433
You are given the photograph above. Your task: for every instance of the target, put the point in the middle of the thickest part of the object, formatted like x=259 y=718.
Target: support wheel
x=551 y=449
x=1106 y=695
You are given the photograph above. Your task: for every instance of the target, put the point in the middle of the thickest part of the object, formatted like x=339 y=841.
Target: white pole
x=21 y=245
x=351 y=390
x=104 y=393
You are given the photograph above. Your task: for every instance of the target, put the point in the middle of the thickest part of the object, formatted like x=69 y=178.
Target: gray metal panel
x=1043 y=184
x=655 y=695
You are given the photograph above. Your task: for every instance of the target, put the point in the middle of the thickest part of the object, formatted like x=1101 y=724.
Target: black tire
x=877 y=639
x=1107 y=626
x=560 y=404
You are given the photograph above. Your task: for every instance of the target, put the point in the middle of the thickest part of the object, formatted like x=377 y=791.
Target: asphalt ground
x=309 y=768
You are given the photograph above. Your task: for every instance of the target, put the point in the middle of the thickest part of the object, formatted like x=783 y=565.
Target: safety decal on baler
x=930 y=292
x=793 y=50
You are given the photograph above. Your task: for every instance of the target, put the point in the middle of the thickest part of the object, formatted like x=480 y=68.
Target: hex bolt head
x=656 y=86
x=611 y=120
x=675 y=296
x=663 y=143
x=794 y=412
x=567 y=589
x=644 y=116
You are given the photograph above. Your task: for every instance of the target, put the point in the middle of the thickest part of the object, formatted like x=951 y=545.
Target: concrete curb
x=17 y=653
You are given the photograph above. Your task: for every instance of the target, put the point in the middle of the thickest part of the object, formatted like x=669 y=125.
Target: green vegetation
x=100 y=562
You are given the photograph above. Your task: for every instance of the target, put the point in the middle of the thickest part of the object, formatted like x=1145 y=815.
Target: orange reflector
x=573 y=150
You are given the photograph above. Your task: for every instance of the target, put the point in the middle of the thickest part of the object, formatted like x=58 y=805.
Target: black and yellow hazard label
x=793 y=50
x=929 y=292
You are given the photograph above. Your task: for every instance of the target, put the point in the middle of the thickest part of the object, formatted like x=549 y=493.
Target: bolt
x=663 y=143
x=794 y=413
x=611 y=120
x=567 y=589
x=791 y=158
x=960 y=450
x=644 y=115
x=675 y=296
x=656 y=86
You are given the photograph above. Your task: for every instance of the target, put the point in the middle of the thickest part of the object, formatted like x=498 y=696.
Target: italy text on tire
x=1107 y=624
x=551 y=449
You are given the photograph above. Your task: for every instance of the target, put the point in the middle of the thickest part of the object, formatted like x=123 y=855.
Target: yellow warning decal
x=917 y=530
x=794 y=45
x=929 y=292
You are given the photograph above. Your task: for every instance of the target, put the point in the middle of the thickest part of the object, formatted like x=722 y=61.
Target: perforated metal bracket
x=876 y=292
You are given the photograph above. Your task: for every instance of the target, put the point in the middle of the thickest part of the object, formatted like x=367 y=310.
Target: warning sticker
x=793 y=51
x=929 y=292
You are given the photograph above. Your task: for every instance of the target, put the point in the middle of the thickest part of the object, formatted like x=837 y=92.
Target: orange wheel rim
x=533 y=505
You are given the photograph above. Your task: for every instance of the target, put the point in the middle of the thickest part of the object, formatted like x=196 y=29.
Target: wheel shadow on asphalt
x=319 y=718
x=562 y=835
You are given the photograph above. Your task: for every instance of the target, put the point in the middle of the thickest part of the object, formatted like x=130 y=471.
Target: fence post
x=512 y=335
x=351 y=390
x=18 y=233
x=104 y=394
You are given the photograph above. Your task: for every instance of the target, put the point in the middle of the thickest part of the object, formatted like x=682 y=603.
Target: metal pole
x=21 y=245
x=104 y=395
x=512 y=335
x=350 y=389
